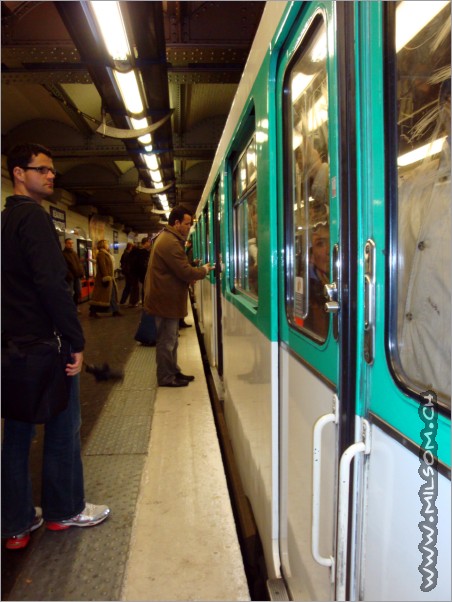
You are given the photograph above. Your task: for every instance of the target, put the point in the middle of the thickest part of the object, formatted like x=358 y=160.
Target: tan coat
x=104 y=281
x=168 y=276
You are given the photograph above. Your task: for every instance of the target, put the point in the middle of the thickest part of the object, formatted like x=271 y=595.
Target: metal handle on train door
x=316 y=475
x=331 y=292
x=369 y=300
x=361 y=447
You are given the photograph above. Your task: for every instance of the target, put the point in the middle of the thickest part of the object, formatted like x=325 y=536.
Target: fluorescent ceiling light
x=318 y=115
x=297 y=139
x=318 y=52
x=151 y=161
x=299 y=84
x=111 y=25
x=130 y=93
x=412 y=17
x=138 y=124
x=155 y=175
x=428 y=150
x=164 y=201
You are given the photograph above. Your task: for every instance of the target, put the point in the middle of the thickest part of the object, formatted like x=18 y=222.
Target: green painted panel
x=323 y=357
x=377 y=390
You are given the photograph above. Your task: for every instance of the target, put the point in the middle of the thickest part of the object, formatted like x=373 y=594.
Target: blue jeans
x=77 y=291
x=166 y=349
x=127 y=289
x=62 y=472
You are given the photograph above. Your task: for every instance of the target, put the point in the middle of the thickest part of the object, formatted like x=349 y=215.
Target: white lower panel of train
x=251 y=410
x=271 y=405
x=394 y=509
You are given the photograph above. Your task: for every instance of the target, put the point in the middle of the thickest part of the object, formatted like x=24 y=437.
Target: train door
x=402 y=516
x=218 y=278
x=316 y=233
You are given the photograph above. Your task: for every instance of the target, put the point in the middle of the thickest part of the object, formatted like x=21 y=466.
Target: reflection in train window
x=307 y=182
x=423 y=291
x=245 y=222
x=207 y=258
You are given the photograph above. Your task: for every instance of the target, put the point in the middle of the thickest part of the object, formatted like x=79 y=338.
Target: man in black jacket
x=139 y=259
x=36 y=303
x=75 y=269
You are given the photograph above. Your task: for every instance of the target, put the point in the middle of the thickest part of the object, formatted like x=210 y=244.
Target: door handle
x=332 y=305
x=369 y=300
x=361 y=447
x=320 y=424
x=331 y=292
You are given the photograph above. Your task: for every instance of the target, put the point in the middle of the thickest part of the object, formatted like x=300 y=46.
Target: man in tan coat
x=168 y=277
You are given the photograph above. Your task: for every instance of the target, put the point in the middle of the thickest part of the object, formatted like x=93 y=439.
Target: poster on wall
x=59 y=221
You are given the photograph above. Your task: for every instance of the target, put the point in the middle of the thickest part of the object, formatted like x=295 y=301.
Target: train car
x=326 y=323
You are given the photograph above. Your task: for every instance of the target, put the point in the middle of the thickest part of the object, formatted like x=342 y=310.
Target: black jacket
x=138 y=261
x=36 y=300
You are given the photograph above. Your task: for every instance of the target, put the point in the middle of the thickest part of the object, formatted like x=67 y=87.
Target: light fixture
x=318 y=114
x=412 y=17
x=155 y=175
x=164 y=202
x=428 y=150
x=151 y=161
x=130 y=93
x=139 y=124
x=318 y=51
x=299 y=84
x=111 y=25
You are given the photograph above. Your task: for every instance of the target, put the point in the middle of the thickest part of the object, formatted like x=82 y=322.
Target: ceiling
x=57 y=90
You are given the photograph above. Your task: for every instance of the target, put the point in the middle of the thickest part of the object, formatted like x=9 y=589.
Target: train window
x=245 y=221
x=207 y=223
x=422 y=293
x=307 y=184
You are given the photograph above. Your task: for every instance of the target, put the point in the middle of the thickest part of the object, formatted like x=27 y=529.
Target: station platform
x=152 y=454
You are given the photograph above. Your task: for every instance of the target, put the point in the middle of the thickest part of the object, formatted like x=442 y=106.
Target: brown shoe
x=117 y=314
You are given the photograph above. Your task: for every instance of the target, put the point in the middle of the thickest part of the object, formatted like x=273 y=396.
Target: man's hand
x=76 y=366
x=208 y=267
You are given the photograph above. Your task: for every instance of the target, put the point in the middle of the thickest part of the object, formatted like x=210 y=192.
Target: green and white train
x=327 y=321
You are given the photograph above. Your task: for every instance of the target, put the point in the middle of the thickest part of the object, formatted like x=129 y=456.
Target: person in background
x=36 y=302
x=105 y=293
x=195 y=263
x=319 y=275
x=74 y=269
x=139 y=259
x=424 y=260
x=125 y=269
x=168 y=277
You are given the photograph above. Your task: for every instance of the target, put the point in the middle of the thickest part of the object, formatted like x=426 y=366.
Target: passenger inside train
x=424 y=259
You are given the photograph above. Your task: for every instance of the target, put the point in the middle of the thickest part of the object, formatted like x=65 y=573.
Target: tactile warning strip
x=89 y=564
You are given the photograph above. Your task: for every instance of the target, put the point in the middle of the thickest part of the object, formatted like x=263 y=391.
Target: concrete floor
x=153 y=455
x=184 y=542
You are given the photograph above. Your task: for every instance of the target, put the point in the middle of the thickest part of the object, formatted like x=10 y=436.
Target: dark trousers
x=134 y=290
x=77 y=290
x=166 y=349
x=127 y=289
x=62 y=471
